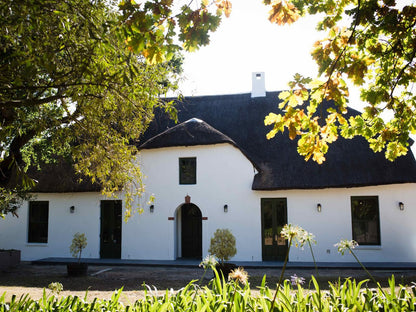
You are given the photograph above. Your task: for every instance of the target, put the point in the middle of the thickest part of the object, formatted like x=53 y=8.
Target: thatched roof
x=240 y=119
x=191 y=132
x=60 y=177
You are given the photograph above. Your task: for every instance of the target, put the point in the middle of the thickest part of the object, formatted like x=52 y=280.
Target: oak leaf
x=225 y=6
x=283 y=12
x=272 y=118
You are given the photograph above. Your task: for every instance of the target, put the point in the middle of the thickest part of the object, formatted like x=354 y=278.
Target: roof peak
x=194 y=120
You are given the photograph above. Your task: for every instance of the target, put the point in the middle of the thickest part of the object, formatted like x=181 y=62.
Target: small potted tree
x=223 y=248
x=79 y=242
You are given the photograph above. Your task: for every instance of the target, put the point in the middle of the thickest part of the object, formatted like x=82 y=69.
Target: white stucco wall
x=61 y=228
x=224 y=176
x=333 y=223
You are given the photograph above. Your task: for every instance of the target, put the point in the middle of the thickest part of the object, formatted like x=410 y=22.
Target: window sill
x=36 y=244
x=369 y=247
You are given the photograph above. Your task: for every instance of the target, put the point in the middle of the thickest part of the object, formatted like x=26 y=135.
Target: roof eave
x=320 y=187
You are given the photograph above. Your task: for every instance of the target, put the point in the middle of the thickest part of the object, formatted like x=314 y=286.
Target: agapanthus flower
x=306 y=237
x=238 y=275
x=346 y=244
x=298 y=235
x=209 y=262
x=297 y=280
x=290 y=231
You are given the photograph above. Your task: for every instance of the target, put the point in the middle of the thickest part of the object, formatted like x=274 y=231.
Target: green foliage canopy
x=370 y=44
x=82 y=78
x=69 y=85
x=154 y=27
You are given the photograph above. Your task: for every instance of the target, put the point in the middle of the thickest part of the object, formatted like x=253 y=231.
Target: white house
x=216 y=169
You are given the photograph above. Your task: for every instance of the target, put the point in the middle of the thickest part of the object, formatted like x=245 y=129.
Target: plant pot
x=77 y=269
x=225 y=268
x=9 y=258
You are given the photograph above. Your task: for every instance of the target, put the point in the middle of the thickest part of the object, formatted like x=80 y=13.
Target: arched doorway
x=191 y=232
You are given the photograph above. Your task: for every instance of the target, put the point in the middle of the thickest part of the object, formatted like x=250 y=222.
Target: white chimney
x=258 y=84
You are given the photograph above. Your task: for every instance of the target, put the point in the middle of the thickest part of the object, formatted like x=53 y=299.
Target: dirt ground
x=102 y=281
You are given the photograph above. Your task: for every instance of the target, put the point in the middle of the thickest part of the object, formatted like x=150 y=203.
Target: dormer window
x=187 y=170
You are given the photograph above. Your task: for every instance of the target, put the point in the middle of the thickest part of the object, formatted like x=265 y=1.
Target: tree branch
x=14 y=156
x=38 y=102
x=31 y=102
x=18 y=142
x=55 y=86
x=333 y=67
x=400 y=74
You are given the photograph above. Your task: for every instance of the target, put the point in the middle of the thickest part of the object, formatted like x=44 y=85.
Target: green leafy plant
x=11 y=200
x=348 y=245
x=223 y=245
x=235 y=295
x=232 y=295
x=79 y=242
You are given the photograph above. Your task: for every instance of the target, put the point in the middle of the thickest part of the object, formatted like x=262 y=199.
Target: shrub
x=79 y=242
x=223 y=245
x=56 y=287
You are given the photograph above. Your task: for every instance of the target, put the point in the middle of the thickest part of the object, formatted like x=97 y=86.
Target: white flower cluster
x=297 y=235
x=346 y=244
x=209 y=262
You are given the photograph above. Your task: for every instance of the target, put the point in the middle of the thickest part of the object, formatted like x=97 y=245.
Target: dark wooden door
x=273 y=218
x=191 y=231
x=110 y=236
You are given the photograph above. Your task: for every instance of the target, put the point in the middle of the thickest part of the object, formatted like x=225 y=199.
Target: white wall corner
x=258 y=84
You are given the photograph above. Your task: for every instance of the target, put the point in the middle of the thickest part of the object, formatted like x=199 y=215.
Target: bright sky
x=247 y=42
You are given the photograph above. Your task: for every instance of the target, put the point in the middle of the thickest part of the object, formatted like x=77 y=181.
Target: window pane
x=187 y=170
x=268 y=224
x=38 y=222
x=365 y=220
